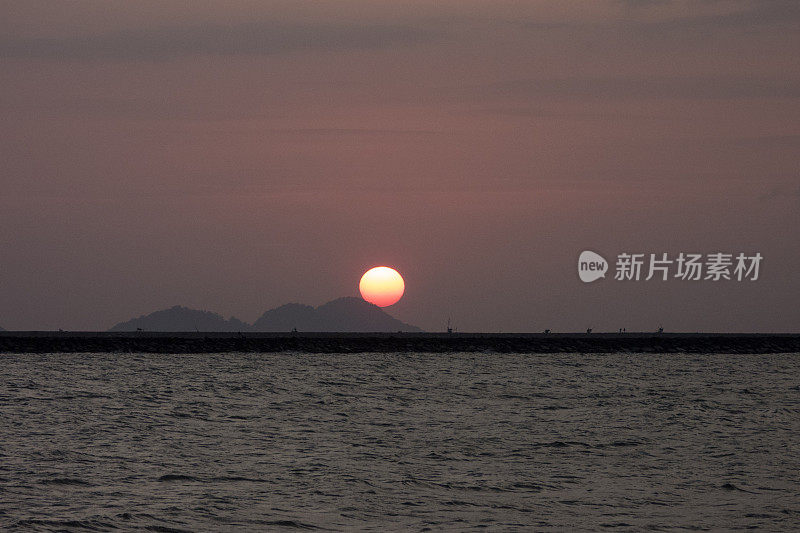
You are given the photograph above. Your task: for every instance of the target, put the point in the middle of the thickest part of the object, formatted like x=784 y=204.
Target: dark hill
x=343 y=314
x=288 y=317
x=355 y=314
x=182 y=319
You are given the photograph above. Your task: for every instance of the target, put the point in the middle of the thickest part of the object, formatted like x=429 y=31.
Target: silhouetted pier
x=180 y=342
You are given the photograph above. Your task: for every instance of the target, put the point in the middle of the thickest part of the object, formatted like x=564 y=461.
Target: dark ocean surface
x=287 y=441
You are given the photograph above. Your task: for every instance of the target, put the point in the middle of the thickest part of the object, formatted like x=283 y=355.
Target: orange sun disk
x=382 y=286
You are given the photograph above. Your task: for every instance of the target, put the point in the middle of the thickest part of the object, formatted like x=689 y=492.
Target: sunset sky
x=235 y=156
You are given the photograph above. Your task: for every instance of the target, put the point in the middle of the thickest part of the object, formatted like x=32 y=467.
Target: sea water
x=408 y=441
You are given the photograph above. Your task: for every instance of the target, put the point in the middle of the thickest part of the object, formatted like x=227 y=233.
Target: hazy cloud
x=257 y=38
x=758 y=13
x=272 y=149
x=778 y=193
x=685 y=24
x=699 y=88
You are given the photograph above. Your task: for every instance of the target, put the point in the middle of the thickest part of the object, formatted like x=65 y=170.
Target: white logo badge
x=591 y=266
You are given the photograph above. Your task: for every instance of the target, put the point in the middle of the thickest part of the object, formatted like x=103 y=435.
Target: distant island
x=180 y=318
x=348 y=314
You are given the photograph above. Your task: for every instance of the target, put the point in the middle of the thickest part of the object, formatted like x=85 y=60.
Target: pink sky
x=238 y=157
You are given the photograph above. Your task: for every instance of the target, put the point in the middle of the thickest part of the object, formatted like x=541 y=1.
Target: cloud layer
x=239 y=155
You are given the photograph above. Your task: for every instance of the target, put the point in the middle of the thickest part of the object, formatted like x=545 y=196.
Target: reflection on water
x=399 y=441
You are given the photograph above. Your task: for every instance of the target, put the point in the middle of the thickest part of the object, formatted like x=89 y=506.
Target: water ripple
x=293 y=441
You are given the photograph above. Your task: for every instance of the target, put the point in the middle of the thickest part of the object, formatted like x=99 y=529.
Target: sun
x=382 y=286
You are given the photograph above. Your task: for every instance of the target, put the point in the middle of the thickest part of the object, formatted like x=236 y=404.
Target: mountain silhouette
x=346 y=314
x=343 y=314
x=288 y=317
x=182 y=319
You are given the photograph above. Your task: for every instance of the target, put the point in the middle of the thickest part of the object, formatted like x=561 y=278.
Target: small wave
x=560 y=444
x=574 y=502
x=65 y=481
x=238 y=478
x=165 y=529
x=619 y=444
x=731 y=486
x=527 y=486
x=482 y=488
x=177 y=477
x=622 y=443
x=91 y=525
x=81 y=395
x=438 y=457
x=214 y=479
x=291 y=523
x=513 y=397
x=461 y=503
